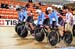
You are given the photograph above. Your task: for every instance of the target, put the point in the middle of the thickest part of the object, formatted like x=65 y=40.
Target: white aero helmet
x=49 y=8
x=38 y=11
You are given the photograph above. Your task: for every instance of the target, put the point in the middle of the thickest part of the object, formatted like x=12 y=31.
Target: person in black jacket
x=30 y=1
x=0 y=16
x=4 y=6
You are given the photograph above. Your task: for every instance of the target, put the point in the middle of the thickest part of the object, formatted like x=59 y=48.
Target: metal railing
x=49 y=1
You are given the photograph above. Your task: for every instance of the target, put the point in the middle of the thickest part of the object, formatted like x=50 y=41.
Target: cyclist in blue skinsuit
x=22 y=13
x=53 y=16
x=48 y=13
x=43 y=19
x=24 y=17
x=25 y=14
x=20 y=18
x=40 y=17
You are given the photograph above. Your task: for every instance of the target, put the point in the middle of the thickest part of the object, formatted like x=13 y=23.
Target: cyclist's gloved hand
x=24 y=20
x=41 y=25
x=58 y=24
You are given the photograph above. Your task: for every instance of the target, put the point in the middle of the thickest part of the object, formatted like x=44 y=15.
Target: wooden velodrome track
x=10 y=40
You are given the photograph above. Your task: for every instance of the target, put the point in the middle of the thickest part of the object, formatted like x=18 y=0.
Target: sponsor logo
x=8 y=22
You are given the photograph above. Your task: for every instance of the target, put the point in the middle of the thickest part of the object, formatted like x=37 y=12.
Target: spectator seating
x=12 y=14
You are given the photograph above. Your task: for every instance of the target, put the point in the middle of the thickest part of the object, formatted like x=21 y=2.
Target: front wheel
x=73 y=30
x=68 y=37
x=16 y=27
x=53 y=37
x=39 y=36
x=22 y=31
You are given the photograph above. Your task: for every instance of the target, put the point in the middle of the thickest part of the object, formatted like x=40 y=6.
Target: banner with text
x=8 y=22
